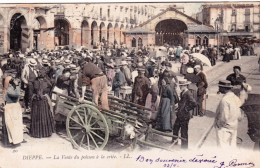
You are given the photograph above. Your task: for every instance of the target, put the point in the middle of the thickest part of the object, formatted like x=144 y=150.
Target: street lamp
x=217 y=28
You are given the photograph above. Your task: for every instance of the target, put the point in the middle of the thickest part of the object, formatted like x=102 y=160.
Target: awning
x=200 y=29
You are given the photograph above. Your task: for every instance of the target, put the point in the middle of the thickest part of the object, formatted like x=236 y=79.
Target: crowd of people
x=71 y=72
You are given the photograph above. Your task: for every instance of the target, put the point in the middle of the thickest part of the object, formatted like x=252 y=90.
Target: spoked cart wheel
x=87 y=127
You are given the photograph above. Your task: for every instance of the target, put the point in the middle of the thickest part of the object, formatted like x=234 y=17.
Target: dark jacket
x=202 y=84
x=186 y=103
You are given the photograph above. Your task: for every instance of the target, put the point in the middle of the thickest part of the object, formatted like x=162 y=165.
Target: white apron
x=14 y=122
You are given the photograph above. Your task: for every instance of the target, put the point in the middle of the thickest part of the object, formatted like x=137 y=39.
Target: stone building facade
x=46 y=26
x=171 y=27
x=233 y=20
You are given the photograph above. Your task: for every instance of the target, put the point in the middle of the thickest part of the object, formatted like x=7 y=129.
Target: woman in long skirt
x=42 y=124
x=165 y=114
x=12 y=119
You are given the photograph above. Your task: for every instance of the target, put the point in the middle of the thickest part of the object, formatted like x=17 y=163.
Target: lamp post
x=217 y=28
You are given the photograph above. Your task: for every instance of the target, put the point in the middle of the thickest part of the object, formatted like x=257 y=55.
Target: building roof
x=231 y=5
x=139 y=30
x=201 y=28
x=171 y=9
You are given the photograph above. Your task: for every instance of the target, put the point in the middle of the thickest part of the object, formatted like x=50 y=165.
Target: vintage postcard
x=130 y=84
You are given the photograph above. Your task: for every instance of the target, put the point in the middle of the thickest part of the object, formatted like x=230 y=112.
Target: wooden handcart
x=90 y=128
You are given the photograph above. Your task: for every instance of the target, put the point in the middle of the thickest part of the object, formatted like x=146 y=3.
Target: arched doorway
x=121 y=34
x=19 y=33
x=102 y=32
x=62 y=28
x=84 y=33
x=133 y=42
x=198 y=40
x=170 y=31
x=117 y=34
x=110 y=33
x=94 y=33
x=205 y=41
x=39 y=35
x=140 y=43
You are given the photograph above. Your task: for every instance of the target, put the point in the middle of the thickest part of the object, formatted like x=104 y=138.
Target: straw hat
x=124 y=63
x=153 y=60
x=225 y=84
x=45 y=61
x=32 y=62
x=184 y=82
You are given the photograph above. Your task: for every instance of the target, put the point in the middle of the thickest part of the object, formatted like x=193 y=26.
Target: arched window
x=140 y=43
x=61 y=32
x=198 y=40
x=205 y=41
x=133 y=42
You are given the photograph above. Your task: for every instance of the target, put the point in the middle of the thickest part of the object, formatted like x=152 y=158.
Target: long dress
x=12 y=118
x=165 y=114
x=42 y=124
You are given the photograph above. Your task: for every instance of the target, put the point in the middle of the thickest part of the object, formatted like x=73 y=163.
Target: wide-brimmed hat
x=45 y=62
x=128 y=59
x=141 y=69
x=184 y=82
x=124 y=63
x=190 y=70
x=67 y=61
x=197 y=66
x=153 y=60
x=21 y=55
x=57 y=61
x=225 y=84
x=32 y=62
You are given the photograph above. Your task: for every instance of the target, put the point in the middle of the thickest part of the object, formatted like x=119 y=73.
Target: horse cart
x=90 y=128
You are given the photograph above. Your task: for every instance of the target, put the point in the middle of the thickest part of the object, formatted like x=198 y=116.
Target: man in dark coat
x=236 y=79
x=202 y=86
x=186 y=103
x=140 y=88
x=118 y=81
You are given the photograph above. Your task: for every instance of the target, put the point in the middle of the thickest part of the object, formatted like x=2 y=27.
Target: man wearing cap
x=141 y=88
x=118 y=81
x=202 y=85
x=47 y=68
x=186 y=103
x=150 y=68
x=29 y=74
x=236 y=79
x=228 y=114
x=98 y=83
